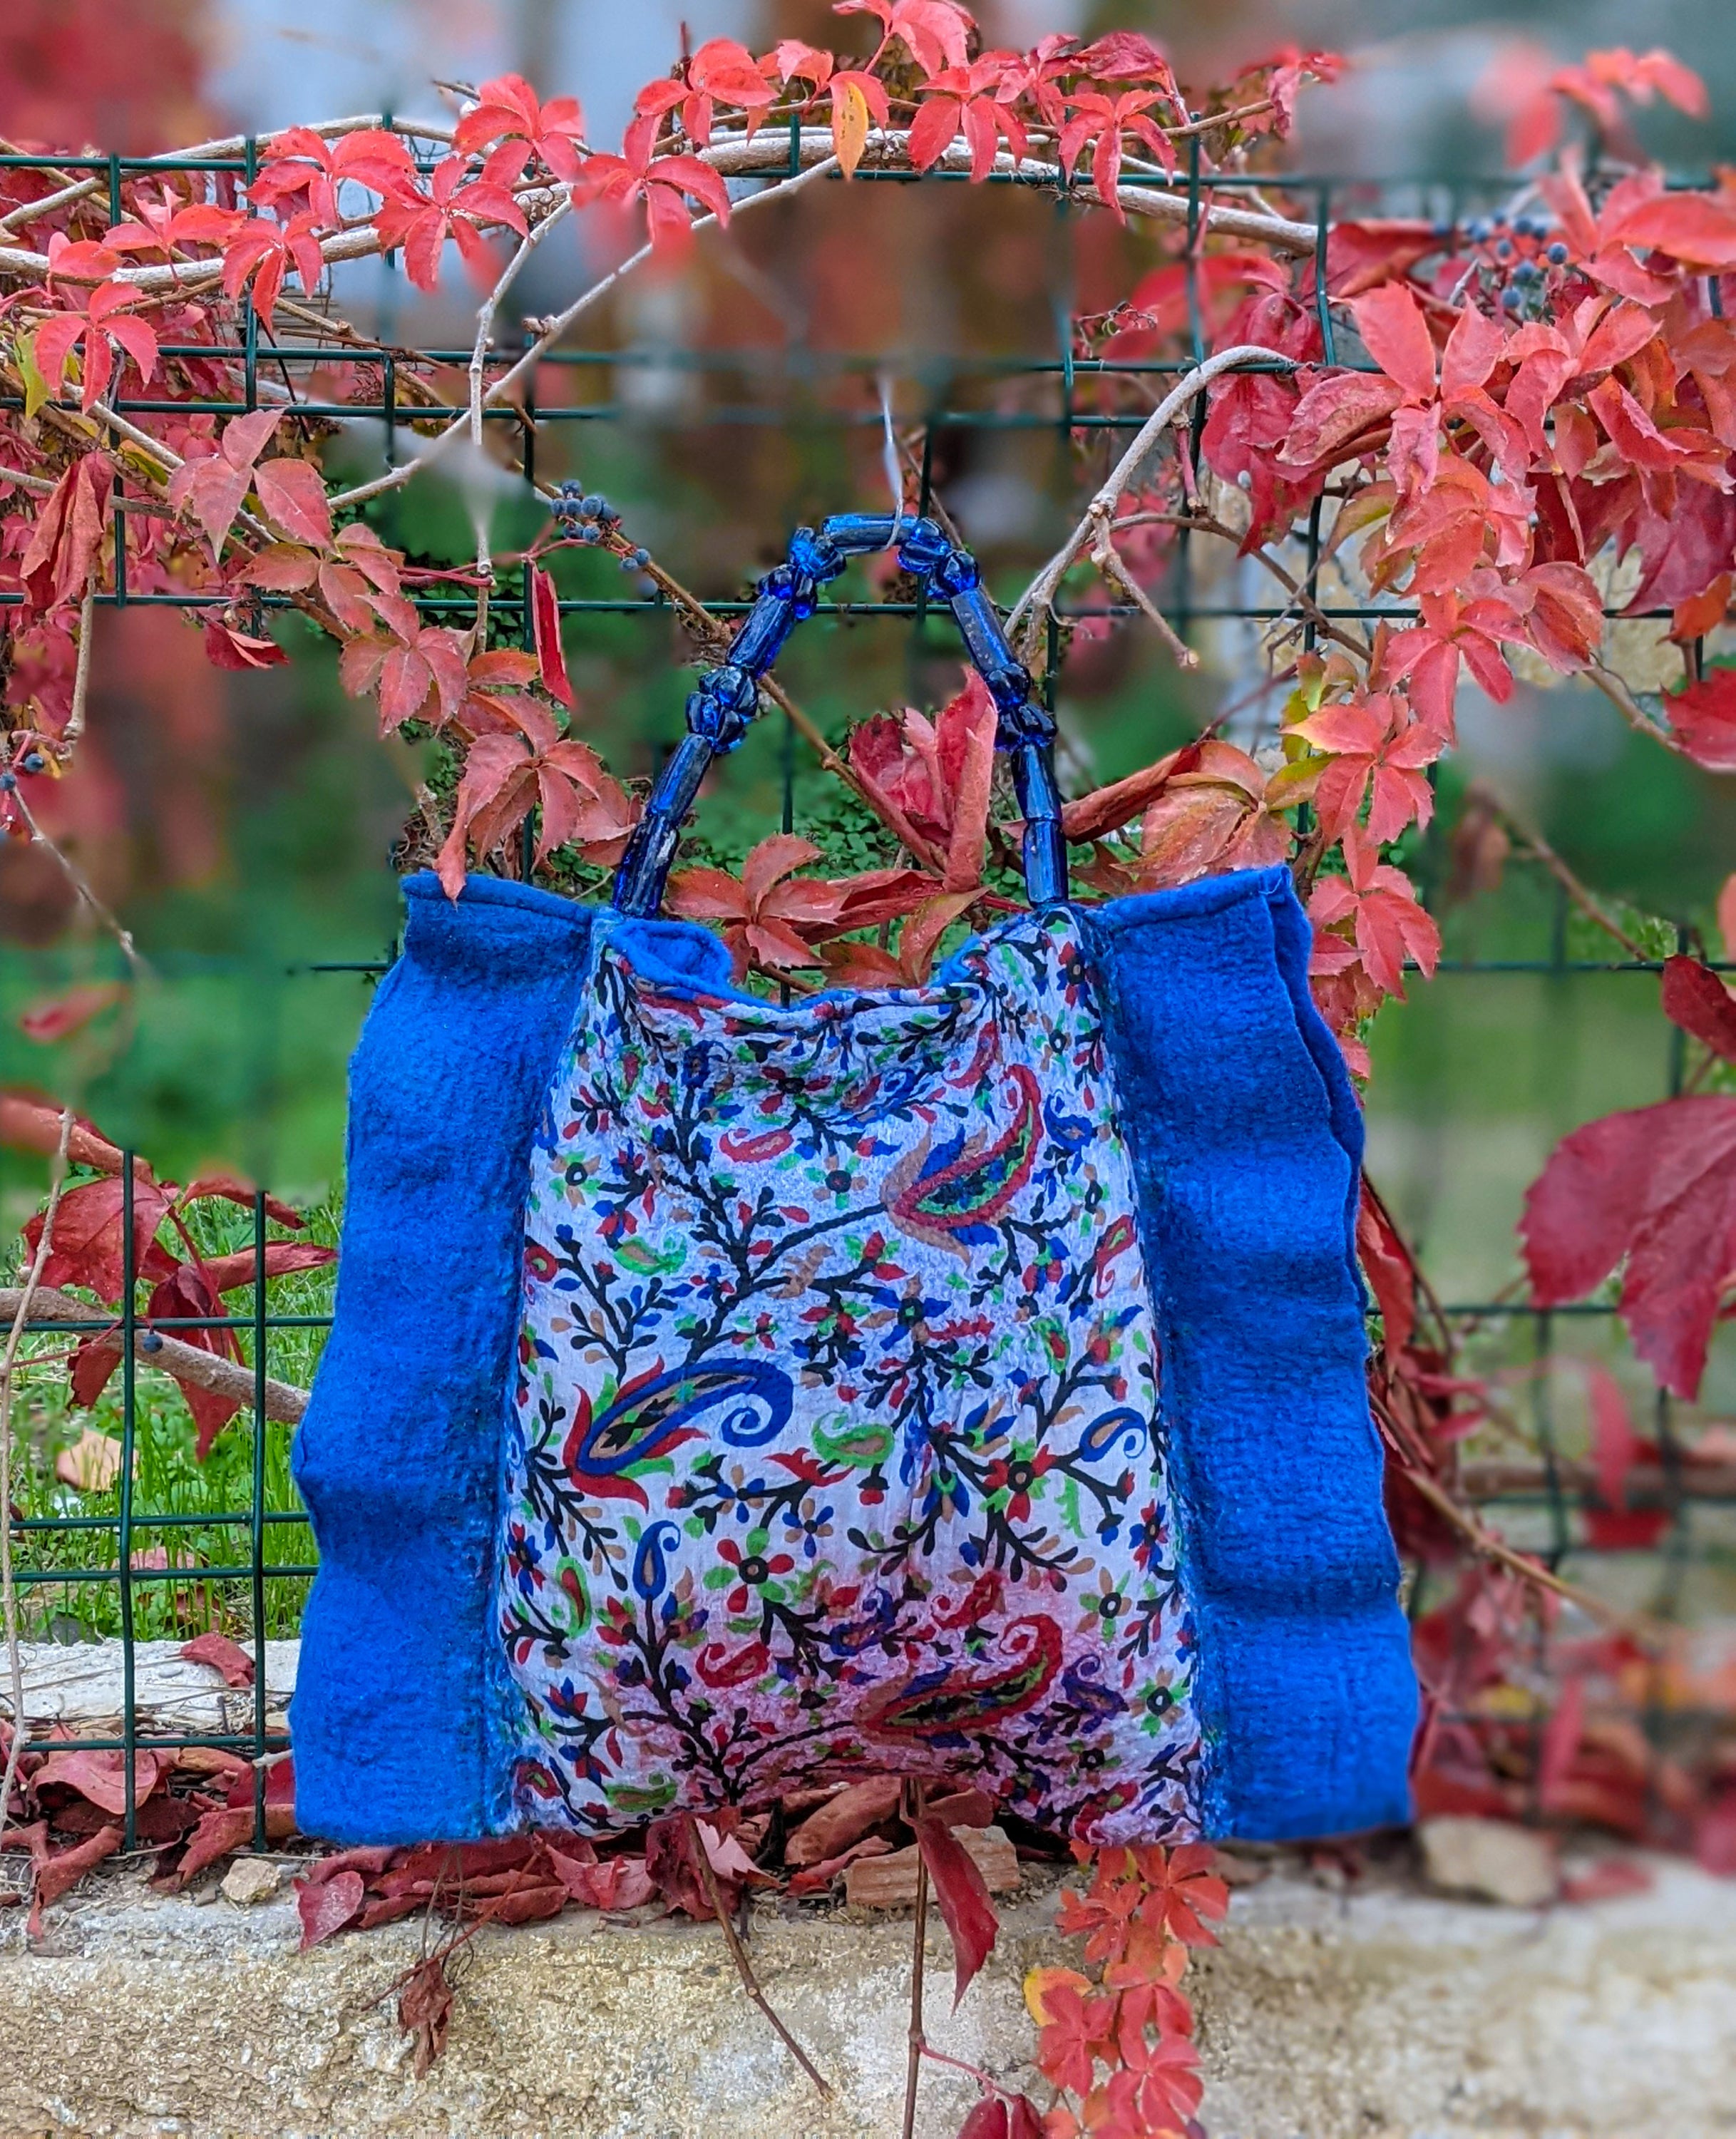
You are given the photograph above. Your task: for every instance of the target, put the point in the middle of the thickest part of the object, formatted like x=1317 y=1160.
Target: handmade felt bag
x=963 y=1381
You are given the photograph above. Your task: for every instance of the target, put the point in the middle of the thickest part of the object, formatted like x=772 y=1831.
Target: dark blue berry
x=151 y=1341
x=642 y=557
x=1557 y=253
x=1503 y=250
x=1478 y=230
x=589 y=534
x=32 y=760
x=8 y=780
x=592 y=506
x=1513 y=301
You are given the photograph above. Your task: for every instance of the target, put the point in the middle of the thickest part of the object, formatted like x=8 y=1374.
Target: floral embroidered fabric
x=836 y=1444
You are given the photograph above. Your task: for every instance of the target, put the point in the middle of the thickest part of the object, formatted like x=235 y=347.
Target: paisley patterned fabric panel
x=836 y=1443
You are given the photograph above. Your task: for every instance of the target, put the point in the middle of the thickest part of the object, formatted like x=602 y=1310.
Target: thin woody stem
x=1033 y=606
x=74 y=727
x=918 y=2040
x=1539 y=850
x=750 y=1981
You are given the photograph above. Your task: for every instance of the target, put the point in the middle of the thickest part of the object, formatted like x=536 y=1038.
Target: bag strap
x=720 y=710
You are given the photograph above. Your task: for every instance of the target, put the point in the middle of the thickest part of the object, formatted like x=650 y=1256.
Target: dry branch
x=207 y=1370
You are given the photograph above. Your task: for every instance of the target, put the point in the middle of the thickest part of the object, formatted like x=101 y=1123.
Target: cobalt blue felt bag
x=963 y=1381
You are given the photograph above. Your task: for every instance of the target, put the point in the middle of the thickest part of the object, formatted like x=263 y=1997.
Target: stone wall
x=1324 y=2015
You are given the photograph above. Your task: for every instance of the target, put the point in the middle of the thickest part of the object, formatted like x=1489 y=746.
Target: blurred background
x=244 y=824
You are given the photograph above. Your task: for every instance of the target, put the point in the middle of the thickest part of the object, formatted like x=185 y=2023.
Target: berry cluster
x=588 y=517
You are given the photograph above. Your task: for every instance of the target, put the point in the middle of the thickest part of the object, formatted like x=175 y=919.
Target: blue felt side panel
x=398 y=1456
x=1247 y=1139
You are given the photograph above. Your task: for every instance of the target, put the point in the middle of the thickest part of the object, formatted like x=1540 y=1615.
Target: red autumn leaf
x=614 y=1883
x=987 y=2120
x=62 y=1015
x=963 y=100
x=292 y=497
x=65 y=1868
x=1655 y=1187
x=1378 y=753
x=817 y=1879
x=963 y=1898
x=266 y=251
x=1334 y=411
x=325 y=1906
x=1702 y=719
x=452 y=207
x=996 y=2117
x=545 y=627
x=934 y=32
x=766 y=910
x=1697 y=999
x=1360 y=254
x=1395 y=333
x=233 y=1190
x=1697 y=229
x=663 y=182
x=931 y=781
x=1379 y=905
x=27 y=1124
x=88 y=1248
x=300 y=166
x=679 y=1847
x=1107 y=809
x=424 y=2009
x=1183 y=1889
x=226 y=648
x=102 y=322
x=722 y=72
x=1077 y=2035
x=843 y=1819
x=1095 y=118
x=507 y=109
x=1206 y=819
x=228 y=1273
x=223 y=1655
x=101 y=1777
x=1160 y=2085
x=213 y=486
x=68 y=530
x=1616 y=1448
x=1387 y=1265
x=420 y=671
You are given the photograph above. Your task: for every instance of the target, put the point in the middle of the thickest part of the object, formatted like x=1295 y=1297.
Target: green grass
x=70 y=1586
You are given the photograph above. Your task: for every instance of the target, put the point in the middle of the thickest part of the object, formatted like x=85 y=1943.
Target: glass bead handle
x=720 y=710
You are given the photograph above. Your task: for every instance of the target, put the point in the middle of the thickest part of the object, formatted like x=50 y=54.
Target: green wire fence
x=538 y=424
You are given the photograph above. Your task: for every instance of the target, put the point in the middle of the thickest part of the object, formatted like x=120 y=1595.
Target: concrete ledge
x=1322 y=2017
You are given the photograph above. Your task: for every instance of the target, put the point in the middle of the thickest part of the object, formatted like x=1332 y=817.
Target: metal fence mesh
x=1065 y=395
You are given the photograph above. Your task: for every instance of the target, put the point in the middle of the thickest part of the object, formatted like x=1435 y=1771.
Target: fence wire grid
x=1554 y=1488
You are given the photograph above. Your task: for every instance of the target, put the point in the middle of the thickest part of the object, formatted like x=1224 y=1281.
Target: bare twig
x=1110 y=562
x=918 y=2040
x=1035 y=604
x=232 y=145
x=750 y=1981
x=736 y=155
x=552 y=330
x=1615 y=690
x=15 y=1337
x=1538 y=849
x=207 y=1370
x=491 y=305
x=74 y=727
x=85 y=889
